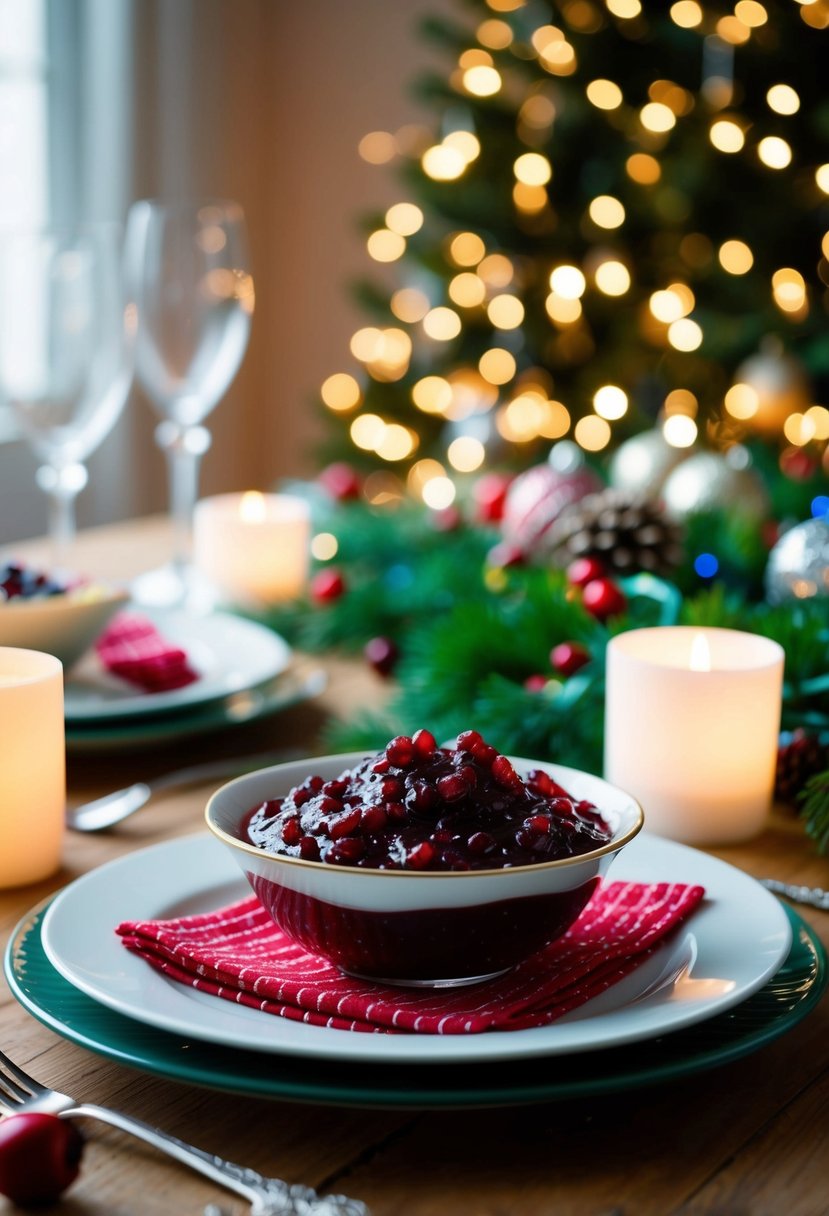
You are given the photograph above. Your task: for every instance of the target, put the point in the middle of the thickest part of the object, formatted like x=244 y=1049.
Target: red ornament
x=583 y=570
x=341 y=481
x=535 y=500
x=568 y=657
x=40 y=1156
x=381 y=654
x=535 y=683
x=327 y=585
x=602 y=598
x=490 y=495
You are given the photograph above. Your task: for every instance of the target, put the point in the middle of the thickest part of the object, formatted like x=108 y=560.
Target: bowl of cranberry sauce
x=40 y=610
x=423 y=865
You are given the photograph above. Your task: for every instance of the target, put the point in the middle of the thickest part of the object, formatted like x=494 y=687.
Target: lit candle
x=32 y=766
x=692 y=718
x=253 y=548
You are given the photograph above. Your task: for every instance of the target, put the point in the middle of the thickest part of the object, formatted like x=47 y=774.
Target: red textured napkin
x=237 y=953
x=131 y=647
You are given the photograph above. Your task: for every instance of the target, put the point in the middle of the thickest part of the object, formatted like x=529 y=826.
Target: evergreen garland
x=470 y=634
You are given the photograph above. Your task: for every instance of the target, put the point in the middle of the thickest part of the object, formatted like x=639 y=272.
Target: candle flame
x=252 y=507
x=700 y=653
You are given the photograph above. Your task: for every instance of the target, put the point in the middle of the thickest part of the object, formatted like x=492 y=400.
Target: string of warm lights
x=600 y=283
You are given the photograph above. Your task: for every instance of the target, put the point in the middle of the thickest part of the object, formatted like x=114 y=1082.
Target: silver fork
x=267 y=1196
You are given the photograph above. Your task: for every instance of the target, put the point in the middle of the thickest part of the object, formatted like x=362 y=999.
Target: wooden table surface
x=744 y=1139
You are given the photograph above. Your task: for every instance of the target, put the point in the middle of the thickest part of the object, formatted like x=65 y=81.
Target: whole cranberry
x=583 y=570
x=568 y=657
x=603 y=598
x=327 y=585
x=40 y=1156
x=381 y=654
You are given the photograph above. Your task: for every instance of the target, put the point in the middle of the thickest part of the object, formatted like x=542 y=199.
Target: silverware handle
x=267 y=1196
x=814 y=896
x=236 y=1178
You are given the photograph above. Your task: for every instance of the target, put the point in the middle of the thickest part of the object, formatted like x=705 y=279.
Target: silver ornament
x=642 y=463
x=711 y=481
x=798 y=565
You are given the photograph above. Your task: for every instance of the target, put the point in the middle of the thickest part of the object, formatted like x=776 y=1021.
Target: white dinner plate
x=734 y=942
x=229 y=653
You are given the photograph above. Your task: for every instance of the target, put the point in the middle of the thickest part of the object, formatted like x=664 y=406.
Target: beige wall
x=265 y=101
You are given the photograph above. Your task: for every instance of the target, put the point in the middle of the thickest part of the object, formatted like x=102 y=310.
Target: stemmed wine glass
x=188 y=275
x=65 y=354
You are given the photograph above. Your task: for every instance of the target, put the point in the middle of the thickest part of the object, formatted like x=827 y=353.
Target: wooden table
x=744 y=1139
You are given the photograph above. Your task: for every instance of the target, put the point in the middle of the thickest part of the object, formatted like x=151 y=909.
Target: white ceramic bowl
x=64 y=625
x=417 y=926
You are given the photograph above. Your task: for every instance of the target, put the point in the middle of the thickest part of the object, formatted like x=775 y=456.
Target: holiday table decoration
x=798 y=565
x=692 y=718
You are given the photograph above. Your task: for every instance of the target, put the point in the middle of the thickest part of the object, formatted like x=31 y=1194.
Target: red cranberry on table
x=568 y=657
x=40 y=1156
x=327 y=585
x=583 y=570
x=381 y=654
x=603 y=598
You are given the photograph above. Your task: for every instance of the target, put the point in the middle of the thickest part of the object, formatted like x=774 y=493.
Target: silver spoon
x=104 y=812
x=814 y=896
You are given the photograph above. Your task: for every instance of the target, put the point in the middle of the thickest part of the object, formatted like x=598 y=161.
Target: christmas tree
x=619 y=221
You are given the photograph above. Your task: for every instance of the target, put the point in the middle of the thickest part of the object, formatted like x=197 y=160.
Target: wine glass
x=187 y=270
x=65 y=354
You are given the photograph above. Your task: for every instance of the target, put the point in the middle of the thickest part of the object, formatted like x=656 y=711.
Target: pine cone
x=626 y=531
x=799 y=757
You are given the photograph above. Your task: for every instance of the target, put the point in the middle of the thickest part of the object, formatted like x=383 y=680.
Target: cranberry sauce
x=25 y=583
x=417 y=806
x=426 y=944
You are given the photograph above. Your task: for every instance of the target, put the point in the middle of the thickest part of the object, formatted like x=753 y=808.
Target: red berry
x=452 y=787
x=503 y=772
x=40 y=1156
x=602 y=598
x=535 y=683
x=291 y=831
x=568 y=657
x=401 y=751
x=469 y=741
x=382 y=654
x=425 y=742
x=327 y=585
x=421 y=855
x=341 y=481
x=583 y=570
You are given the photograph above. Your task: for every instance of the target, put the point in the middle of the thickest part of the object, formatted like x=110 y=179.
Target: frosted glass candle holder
x=253 y=549
x=32 y=766
x=692 y=720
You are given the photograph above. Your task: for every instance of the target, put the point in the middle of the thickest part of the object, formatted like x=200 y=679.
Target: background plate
x=229 y=652
x=783 y=1002
x=247 y=706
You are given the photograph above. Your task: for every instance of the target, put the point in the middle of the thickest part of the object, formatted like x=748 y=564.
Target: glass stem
x=62 y=485
x=183 y=447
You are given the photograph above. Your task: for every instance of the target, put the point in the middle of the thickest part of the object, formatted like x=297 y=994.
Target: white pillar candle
x=692 y=718
x=253 y=548
x=32 y=766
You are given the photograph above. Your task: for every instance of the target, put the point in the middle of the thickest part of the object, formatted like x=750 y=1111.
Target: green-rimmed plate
x=792 y=993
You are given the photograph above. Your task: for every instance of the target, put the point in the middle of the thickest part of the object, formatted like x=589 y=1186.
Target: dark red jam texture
x=429 y=944
x=417 y=806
